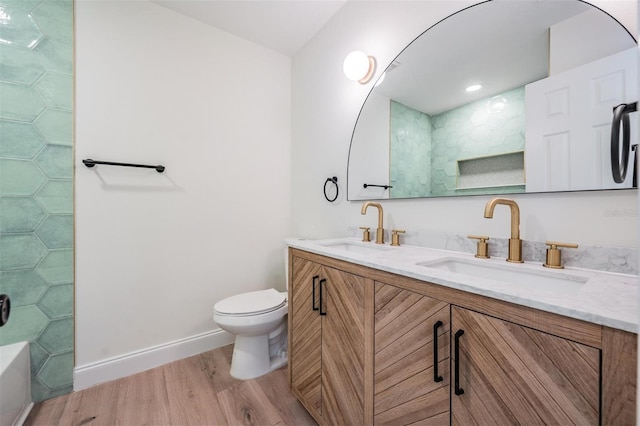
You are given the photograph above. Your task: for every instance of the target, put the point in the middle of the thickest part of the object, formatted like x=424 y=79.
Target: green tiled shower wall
x=36 y=189
x=469 y=131
x=410 y=147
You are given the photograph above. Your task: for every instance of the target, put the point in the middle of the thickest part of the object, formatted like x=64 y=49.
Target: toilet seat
x=251 y=303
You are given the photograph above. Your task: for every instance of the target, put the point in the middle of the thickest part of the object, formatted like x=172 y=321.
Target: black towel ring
x=620 y=160
x=333 y=180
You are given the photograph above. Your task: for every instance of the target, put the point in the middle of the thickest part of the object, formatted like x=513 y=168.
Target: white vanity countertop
x=605 y=298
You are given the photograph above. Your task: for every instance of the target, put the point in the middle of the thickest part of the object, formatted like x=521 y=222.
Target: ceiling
x=501 y=45
x=281 y=25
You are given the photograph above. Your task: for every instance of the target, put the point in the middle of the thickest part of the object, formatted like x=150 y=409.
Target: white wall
x=584 y=38
x=324 y=109
x=155 y=252
x=372 y=151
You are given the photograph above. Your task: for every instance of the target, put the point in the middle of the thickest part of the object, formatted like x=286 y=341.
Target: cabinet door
x=306 y=334
x=342 y=348
x=408 y=328
x=509 y=374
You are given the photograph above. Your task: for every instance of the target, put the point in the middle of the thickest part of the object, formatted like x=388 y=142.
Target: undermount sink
x=357 y=247
x=558 y=282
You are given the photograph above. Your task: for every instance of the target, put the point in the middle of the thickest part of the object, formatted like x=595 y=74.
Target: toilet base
x=251 y=357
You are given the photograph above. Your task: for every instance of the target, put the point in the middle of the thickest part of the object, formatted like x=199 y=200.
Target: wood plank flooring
x=193 y=391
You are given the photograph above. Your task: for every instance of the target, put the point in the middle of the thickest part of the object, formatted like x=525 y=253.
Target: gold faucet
x=515 y=243
x=380 y=230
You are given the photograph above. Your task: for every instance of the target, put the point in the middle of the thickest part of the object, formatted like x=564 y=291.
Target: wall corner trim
x=88 y=375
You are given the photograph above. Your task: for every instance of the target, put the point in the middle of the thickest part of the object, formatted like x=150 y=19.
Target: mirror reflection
x=502 y=97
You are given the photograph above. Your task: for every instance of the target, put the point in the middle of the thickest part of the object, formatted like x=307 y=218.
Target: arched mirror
x=550 y=74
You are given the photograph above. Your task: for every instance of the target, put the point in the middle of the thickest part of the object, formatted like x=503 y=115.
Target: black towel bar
x=366 y=185
x=90 y=163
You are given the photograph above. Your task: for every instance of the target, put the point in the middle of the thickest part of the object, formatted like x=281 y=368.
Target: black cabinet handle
x=436 y=377
x=313 y=296
x=322 y=281
x=456 y=378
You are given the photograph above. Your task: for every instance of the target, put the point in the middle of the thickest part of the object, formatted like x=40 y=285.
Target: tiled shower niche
x=36 y=190
x=426 y=150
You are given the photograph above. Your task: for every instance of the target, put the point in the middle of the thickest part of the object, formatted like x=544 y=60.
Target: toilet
x=258 y=320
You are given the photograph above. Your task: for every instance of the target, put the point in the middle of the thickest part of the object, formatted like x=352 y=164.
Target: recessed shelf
x=501 y=170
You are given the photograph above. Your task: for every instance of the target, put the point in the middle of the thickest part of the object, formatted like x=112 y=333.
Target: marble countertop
x=605 y=298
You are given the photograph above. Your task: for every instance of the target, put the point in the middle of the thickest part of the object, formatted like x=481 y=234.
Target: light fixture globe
x=359 y=67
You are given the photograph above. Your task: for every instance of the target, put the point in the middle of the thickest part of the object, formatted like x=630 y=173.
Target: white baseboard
x=19 y=421
x=85 y=376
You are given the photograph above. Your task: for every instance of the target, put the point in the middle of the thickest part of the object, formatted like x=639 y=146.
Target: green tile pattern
x=57 y=336
x=19 y=140
x=55 y=18
x=55 y=125
x=19 y=177
x=26 y=287
x=38 y=358
x=54 y=196
x=55 y=89
x=57 y=302
x=55 y=161
x=36 y=189
x=20 y=251
x=57 y=266
x=471 y=131
x=18 y=28
x=54 y=231
x=20 y=214
x=429 y=155
x=410 y=140
x=19 y=102
x=21 y=66
x=56 y=371
x=37 y=388
x=26 y=323
x=56 y=55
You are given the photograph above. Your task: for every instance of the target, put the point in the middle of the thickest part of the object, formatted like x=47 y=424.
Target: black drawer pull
x=313 y=295
x=322 y=281
x=456 y=378
x=436 y=376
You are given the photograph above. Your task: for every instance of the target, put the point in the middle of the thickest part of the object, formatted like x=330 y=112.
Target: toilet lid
x=253 y=302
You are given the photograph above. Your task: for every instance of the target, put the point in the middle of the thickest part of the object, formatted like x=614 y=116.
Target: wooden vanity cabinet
x=305 y=332
x=370 y=359
x=411 y=353
x=327 y=342
x=510 y=374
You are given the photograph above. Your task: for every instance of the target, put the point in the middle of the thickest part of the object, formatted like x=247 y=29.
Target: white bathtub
x=15 y=384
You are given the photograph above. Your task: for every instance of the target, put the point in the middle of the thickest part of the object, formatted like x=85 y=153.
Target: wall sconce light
x=359 y=67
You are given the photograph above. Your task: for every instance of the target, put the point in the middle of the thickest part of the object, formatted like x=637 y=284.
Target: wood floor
x=193 y=391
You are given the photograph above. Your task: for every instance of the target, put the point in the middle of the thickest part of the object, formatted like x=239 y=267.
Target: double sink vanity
x=383 y=334
x=388 y=333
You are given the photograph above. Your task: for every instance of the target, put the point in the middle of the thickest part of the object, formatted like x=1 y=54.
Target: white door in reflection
x=561 y=152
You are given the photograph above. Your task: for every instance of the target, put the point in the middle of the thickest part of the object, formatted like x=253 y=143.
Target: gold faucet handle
x=482 y=250
x=395 y=238
x=555 y=244
x=366 y=235
x=554 y=255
